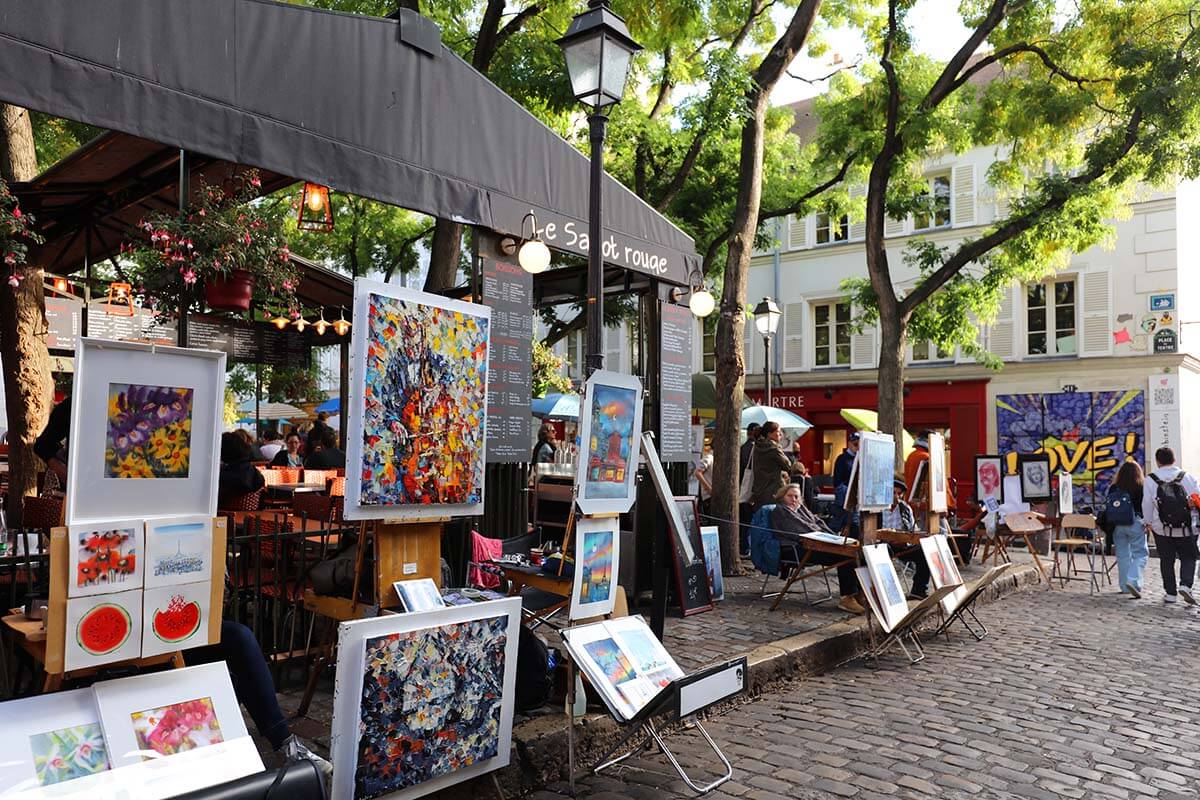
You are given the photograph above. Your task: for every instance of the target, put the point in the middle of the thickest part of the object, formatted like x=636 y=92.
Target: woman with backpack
x=1123 y=516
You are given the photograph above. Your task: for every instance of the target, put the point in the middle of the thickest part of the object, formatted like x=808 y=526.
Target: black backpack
x=1174 y=506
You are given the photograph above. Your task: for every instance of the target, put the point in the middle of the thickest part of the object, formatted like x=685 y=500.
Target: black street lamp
x=766 y=320
x=598 y=50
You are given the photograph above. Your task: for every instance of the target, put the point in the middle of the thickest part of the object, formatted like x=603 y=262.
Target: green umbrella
x=704 y=396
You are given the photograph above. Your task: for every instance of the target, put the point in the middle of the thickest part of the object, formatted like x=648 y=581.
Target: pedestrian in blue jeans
x=1129 y=538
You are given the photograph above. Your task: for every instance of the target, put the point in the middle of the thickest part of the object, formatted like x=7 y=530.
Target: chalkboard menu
x=248 y=342
x=508 y=291
x=675 y=383
x=64 y=315
x=141 y=326
x=691 y=577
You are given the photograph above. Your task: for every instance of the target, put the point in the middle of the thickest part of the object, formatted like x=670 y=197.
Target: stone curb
x=541 y=743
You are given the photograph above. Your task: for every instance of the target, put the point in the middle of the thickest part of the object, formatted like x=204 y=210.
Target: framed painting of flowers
x=145 y=422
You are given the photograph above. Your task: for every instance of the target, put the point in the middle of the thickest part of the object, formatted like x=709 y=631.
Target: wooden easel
x=403 y=550
x=50 y=650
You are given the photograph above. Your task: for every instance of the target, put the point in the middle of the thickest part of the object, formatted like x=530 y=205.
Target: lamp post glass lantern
x=598 y=50
x=766 y=320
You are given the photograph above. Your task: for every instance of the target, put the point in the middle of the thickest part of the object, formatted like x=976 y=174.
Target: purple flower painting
x=149 y=431
x=431 y=704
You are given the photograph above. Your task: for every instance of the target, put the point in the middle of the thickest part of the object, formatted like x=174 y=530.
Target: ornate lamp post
x=766 y=320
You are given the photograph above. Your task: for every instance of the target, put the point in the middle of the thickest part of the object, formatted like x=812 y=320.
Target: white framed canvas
x=876 y=470
x=610 y=421
x=421 y=594
x=889 y=591
x=662 y=487
x=1066 y=494
x=417 y=423
x=103 y=628
x=937 y=473
x=423 y=701
x=175 y=617
x=178 y=551
x=710 y=535
x=145 y=424
x=104 y=558
x=169 y=712
x=943 y=570
x=50 y=740
x=624 y=661
x=597 y=556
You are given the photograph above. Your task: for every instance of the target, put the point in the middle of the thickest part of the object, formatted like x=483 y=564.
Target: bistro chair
x=288 y=474
x=321 y=476
x=42 y=513
x=1075 y=533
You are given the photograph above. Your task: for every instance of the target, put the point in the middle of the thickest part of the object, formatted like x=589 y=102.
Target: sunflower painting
x=149 y=431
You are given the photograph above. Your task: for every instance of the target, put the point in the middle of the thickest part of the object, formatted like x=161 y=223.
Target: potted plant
x=226 y=244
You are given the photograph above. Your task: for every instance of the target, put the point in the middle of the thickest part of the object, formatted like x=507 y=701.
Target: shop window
x=709 y=344
x=831 y=334
x=926 y=352
x=1050 y=317
x=576 y=342
x=830 y=230
x=936 y=209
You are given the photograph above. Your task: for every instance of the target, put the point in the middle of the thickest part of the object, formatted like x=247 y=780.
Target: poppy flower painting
x=424 y=398
x=149 y=431
x=431 y=704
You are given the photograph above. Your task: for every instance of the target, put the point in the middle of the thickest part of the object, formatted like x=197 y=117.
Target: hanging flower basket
x=231 y=292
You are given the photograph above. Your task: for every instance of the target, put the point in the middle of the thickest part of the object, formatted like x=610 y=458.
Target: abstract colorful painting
x=105 y=558
x=611 y=420
x=611 y=660
x=419 y=440
x=597 y=542
x=177 y=727
x=149 y=431
x=68 y=753
x=431 y=702
x=1088 y=434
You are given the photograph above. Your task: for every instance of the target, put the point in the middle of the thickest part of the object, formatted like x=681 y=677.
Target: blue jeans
x=1130 y=543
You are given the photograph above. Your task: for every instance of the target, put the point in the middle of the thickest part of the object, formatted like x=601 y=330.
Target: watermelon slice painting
x=177 y=622
x=103 y=629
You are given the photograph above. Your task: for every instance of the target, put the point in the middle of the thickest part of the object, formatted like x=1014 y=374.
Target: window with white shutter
x=893 y=227
x=793 y=337
x=748 y=337
x=613 y=350
x=862 y=349
x=831 y=334
x=963 y=210
x=797 y=232
x=1052 y=318
x=1002 y=335
x=1095 y=302
x=858 y=230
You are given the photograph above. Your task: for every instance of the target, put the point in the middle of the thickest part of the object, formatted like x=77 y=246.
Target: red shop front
x=954 y=407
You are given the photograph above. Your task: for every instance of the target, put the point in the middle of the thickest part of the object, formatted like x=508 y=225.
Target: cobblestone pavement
x=1071 y=696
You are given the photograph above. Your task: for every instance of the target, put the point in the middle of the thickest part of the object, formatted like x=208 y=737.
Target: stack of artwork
x=418 y=416
x=885 y=591
x=624 y=661
x=137 y=588
x=423 y=700
x=421 y=594
x=938 y=498
x=597 y=556
x=610 y=423
x=943 y=570
x=58 y=738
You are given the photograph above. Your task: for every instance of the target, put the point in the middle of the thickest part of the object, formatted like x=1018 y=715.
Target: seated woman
x=790 y=516
x=237 y=476
x=290 y=455
x=900 y=517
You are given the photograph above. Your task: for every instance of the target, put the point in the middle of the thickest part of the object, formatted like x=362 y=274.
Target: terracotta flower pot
x=231 y=293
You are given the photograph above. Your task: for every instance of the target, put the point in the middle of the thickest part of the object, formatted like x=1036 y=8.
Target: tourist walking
x=1167 y=512
x=1122 y=517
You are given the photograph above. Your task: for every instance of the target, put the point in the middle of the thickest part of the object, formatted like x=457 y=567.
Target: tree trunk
x=28 y=388
x=444 y=255
x=893 y=341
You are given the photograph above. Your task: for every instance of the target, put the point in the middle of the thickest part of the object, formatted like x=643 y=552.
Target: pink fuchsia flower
x=189 y=276
x=17 y=212
x=246 y=238
x=295 y=314
x=201 y=212
x=14 y=280
x=255 y=182
x=10 y=258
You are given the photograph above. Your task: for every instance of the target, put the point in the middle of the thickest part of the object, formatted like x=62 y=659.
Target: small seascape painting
x=149 y=431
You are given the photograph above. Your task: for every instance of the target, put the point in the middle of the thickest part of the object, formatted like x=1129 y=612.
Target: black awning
x=375 y=107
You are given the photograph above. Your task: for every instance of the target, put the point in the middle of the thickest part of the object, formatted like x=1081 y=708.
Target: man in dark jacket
x=751 y=436
x=844 y=465
x=327 y=456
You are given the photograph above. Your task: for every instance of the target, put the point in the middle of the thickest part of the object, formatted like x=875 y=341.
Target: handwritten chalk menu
x=692 y=589
x=508 y=291
x=675 y=383
x=64 y=315
x=249 y=342
x=141 y=326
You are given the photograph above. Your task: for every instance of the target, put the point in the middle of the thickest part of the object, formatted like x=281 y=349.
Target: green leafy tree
x=1103 y=91
x=547 y=371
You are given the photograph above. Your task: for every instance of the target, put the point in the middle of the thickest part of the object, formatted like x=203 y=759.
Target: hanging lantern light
x=280 y=321
x=61 y=285
x=301 y=323
x=341 y=325
x=316 y=212
x=321 y=325
x=119 y=300
x=533 y=256
x=702 y=303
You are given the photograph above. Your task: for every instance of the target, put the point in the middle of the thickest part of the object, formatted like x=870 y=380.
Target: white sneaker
x=294 y=750
x=1169 y=598
x=1186 y=593
x=1135 y=591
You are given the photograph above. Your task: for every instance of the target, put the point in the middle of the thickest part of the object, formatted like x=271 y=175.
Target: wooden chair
x=1020 y=525
x=1076 y=532
x=288 y=474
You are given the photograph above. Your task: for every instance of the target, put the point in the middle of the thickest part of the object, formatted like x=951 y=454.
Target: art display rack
x=51 y=650
x=676 y=709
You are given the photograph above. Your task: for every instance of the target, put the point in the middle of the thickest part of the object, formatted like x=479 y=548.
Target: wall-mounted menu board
x=508 y=291
x=248 y=342
x=675 y=383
